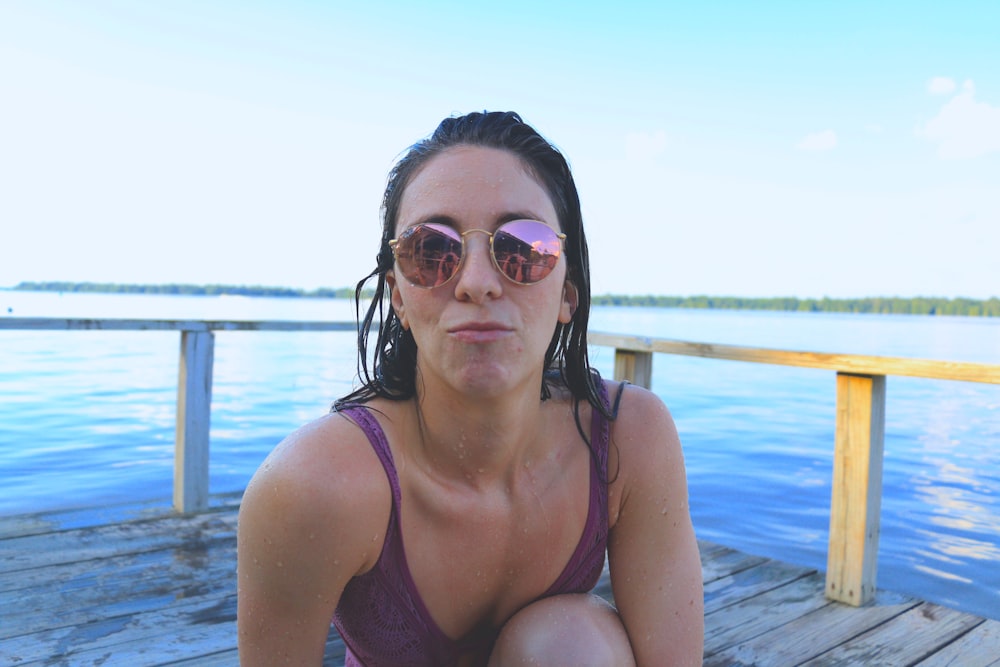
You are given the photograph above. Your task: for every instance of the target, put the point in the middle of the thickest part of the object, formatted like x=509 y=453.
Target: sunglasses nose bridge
x=465 y=234
x=467 y=247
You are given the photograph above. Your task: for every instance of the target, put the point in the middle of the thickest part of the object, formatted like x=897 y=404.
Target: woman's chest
x=477 y=560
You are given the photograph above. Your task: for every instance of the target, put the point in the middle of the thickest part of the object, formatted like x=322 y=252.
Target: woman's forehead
x=466 y=181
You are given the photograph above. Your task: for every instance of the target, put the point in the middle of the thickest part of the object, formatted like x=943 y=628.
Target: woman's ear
x=570 y=301
x=396 y=299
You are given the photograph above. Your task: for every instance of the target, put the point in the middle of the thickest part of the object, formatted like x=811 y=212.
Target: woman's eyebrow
x=519 y=215
x=436 y=218
x=448 y=221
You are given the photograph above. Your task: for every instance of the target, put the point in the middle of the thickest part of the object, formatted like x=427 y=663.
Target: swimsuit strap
x=618 y=399
x=382 y=618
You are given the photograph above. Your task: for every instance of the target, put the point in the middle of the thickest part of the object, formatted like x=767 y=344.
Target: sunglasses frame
x=437 y=226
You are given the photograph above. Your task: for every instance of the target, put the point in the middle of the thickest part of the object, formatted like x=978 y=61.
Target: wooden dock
x=128 y=586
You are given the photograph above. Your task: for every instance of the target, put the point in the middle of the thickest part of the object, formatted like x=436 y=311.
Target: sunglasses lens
x=526 y=251
x=428 y=255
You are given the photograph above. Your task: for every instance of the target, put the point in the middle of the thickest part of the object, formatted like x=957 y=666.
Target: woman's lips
x=479 y=332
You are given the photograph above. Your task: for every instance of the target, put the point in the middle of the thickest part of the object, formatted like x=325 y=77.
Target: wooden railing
x=859 y=433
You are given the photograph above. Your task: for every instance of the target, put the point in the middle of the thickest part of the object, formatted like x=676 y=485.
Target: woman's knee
x=574 y=630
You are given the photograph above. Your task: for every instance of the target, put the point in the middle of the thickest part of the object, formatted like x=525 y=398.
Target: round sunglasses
x=523 y=251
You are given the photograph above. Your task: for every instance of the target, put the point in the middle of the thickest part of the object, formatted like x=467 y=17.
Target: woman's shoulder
x=643 y=429
x=323 y=479
x=646 y=453
x=312 y=518
x=325 y=453
x=630 y=403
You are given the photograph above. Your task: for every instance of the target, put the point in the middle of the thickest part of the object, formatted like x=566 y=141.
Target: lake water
x=87 y=418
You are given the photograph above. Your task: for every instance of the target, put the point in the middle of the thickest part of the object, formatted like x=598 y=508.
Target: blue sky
x=756 y=149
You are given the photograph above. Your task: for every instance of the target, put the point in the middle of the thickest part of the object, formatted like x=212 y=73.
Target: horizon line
x=219 y=289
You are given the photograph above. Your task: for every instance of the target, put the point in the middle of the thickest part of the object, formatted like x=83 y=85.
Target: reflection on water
x=939 y=574
x=941 y=517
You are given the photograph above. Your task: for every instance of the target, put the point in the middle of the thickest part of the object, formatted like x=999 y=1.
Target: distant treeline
x=189 y=290
x=880 y=305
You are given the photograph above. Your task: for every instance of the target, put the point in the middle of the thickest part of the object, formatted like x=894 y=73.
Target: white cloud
x=941 y=85
x=643 y=146
x=964 y=128
x=818 y=141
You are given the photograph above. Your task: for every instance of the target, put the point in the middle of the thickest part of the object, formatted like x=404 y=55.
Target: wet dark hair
x=389 y=369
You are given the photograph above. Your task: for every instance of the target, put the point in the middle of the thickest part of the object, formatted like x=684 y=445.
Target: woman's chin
x=487 y=381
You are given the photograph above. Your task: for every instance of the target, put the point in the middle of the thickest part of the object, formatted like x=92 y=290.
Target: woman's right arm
x=312 y=517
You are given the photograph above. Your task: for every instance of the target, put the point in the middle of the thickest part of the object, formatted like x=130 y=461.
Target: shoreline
x=875 y=305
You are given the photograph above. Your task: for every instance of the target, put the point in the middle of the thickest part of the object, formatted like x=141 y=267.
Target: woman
x=482 y=441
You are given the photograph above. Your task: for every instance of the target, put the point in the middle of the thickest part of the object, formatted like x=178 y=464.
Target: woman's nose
x=478 y=278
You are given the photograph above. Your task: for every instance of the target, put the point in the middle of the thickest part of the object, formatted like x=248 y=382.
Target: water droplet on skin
x=280 y=564
x=336 y=562
x=312 y=536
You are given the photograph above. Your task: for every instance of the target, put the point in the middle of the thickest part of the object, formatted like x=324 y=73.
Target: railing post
x=856 y=501
x=194 y=400
x=634 y=366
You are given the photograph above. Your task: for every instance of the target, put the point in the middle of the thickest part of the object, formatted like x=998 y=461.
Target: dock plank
x=811 y=634
x=723 y=562
x=92 y=543
x=902 y=640
x=761 y=613
x=161 y=590
x=748 y=582
x=979 y=647
x=76 y=594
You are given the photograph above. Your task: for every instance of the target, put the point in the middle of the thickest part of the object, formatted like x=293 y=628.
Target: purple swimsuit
x=383 y=620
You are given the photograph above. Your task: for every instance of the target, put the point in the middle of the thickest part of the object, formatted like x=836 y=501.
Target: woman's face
x=479 y=333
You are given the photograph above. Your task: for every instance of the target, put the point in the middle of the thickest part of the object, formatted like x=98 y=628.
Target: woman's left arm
x=655 y=566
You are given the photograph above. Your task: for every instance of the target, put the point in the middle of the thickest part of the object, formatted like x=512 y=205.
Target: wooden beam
x=636 y=367
x=852 y=557
x=849 y=363
x=116 y=324
x=194 y=400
